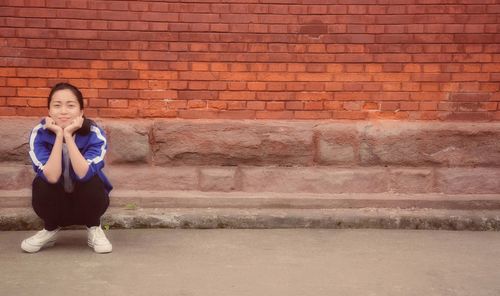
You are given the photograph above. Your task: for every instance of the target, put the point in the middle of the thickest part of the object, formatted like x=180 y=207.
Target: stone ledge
x=274 y=200
x=23 y=219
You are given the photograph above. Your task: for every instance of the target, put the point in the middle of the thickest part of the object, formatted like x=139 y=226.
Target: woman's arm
x=52 y=168
x=80 y=165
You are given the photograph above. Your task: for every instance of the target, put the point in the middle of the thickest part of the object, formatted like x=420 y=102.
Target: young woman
x=67 y=151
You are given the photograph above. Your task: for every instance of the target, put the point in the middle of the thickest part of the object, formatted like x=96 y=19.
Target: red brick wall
x=283 y=59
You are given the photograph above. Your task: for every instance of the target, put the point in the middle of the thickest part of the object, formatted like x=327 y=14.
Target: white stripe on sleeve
x=32 y=154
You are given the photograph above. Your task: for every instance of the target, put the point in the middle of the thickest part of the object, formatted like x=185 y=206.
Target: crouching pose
x=67 y=151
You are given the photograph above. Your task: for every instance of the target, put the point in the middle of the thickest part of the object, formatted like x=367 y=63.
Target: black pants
x=84 y=206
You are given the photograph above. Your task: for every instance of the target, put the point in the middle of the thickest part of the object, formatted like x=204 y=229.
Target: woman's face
x=64 y=107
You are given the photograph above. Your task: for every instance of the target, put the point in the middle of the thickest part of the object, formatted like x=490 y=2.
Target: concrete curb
x=272 y=200
x=430 y=219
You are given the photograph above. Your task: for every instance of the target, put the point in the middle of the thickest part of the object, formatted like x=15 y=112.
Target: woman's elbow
x=51 y=179
x=82 y=173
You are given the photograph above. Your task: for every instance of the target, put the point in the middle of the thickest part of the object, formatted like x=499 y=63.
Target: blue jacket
x=90 y=140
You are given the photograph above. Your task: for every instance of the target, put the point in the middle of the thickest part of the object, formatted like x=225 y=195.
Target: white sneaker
x=43 y=238
x=98 y=240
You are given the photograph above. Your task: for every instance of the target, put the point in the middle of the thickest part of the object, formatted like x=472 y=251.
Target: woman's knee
x=94 y=185
x=92 y=193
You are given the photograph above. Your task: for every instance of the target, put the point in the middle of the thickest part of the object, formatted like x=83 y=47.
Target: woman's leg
x=90 y=202
x=49 y=202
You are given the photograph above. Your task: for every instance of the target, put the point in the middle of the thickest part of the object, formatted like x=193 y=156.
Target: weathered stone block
x=128 y=142
x=430 y=144
x=232 y=143
x=218 y=179
x=337 y=144
x=468 y=180
x=14 y=134
x=414 y=180
x=153 y=178
x=315 y=180
x=14 y=176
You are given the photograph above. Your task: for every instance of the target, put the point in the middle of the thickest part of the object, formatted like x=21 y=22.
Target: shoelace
x=41 y=233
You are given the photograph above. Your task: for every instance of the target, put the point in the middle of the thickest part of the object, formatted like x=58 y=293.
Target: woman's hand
x=75 y=125
x=51 y=125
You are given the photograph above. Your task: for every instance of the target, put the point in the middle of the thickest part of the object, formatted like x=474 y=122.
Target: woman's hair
x=72 y=88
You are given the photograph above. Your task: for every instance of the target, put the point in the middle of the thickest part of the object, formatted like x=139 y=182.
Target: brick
x=314 y=77
x=161 y=75
x=99 y=103
x=236 y=105
x=217 y=85
x=120 y=113
x=32 y=72
x=197 y=95
x=429 y=86
x=138 y=6
x=351 y=115
x=428 y=106
x=409 y=106
x=350 y=96
x=29 y=92
x=349 y=77
x=256 y=105
x=294 y=105
x=470 y=77
x=236 y=95
x=237 y=85
x=369 y=106
x=37 y=82
x=219 y=105
x=275 y=106
x=428 y=96
x=357 y=68
x=274 y=115
x=116 y=103
x=313 y=105
x=256 y=86
x=17 y=102
x=470 y=97
x=20 y=111
x=238 y=76
x=118 y=74
x=275 y=76
x=16 y=82
x=158 y=56
x=332 y=105
x=314 y=96
x=352 y=106
x=389 y=106
x=392 y=86
x=312 y=114
x=118 y=94
x=158 y=94
x=196 y=104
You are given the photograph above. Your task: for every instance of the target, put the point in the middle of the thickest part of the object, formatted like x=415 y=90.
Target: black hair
x=72 y=88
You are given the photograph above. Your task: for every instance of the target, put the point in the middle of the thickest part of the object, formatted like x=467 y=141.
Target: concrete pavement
x=257 y=262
